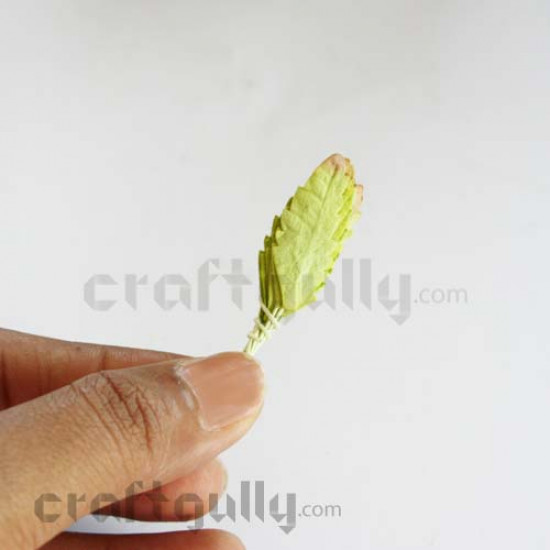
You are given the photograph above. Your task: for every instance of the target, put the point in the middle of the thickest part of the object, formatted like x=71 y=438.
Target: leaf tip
x=339 y=163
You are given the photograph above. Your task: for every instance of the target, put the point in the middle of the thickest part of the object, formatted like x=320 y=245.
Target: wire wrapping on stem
x=262 y=331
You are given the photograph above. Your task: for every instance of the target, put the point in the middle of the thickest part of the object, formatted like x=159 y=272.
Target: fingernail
x=227 y=387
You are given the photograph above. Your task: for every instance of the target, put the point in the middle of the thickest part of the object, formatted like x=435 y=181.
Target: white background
x=147 y=137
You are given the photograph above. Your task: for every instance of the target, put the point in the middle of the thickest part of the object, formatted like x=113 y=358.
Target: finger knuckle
x=130 y=413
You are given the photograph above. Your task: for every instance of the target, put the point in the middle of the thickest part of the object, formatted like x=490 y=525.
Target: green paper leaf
x=306 y=240
x=308 y=237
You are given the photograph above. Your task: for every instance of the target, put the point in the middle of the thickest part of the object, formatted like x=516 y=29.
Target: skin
x=87 y=419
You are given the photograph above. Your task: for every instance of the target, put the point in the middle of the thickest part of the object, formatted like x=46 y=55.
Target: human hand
x=83 y=419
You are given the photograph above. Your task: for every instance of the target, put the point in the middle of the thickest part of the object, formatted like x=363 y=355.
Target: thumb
x=112 y=429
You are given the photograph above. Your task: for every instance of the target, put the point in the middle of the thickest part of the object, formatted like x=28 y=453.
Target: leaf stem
x=262 y=331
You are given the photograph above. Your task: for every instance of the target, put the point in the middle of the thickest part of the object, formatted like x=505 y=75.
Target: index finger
x=31 y=366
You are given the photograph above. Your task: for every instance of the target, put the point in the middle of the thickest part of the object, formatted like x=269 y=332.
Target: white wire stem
x=262 y=331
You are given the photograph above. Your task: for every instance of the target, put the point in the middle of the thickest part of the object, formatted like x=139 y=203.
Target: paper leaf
x=305 y=242
x=308 y=237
